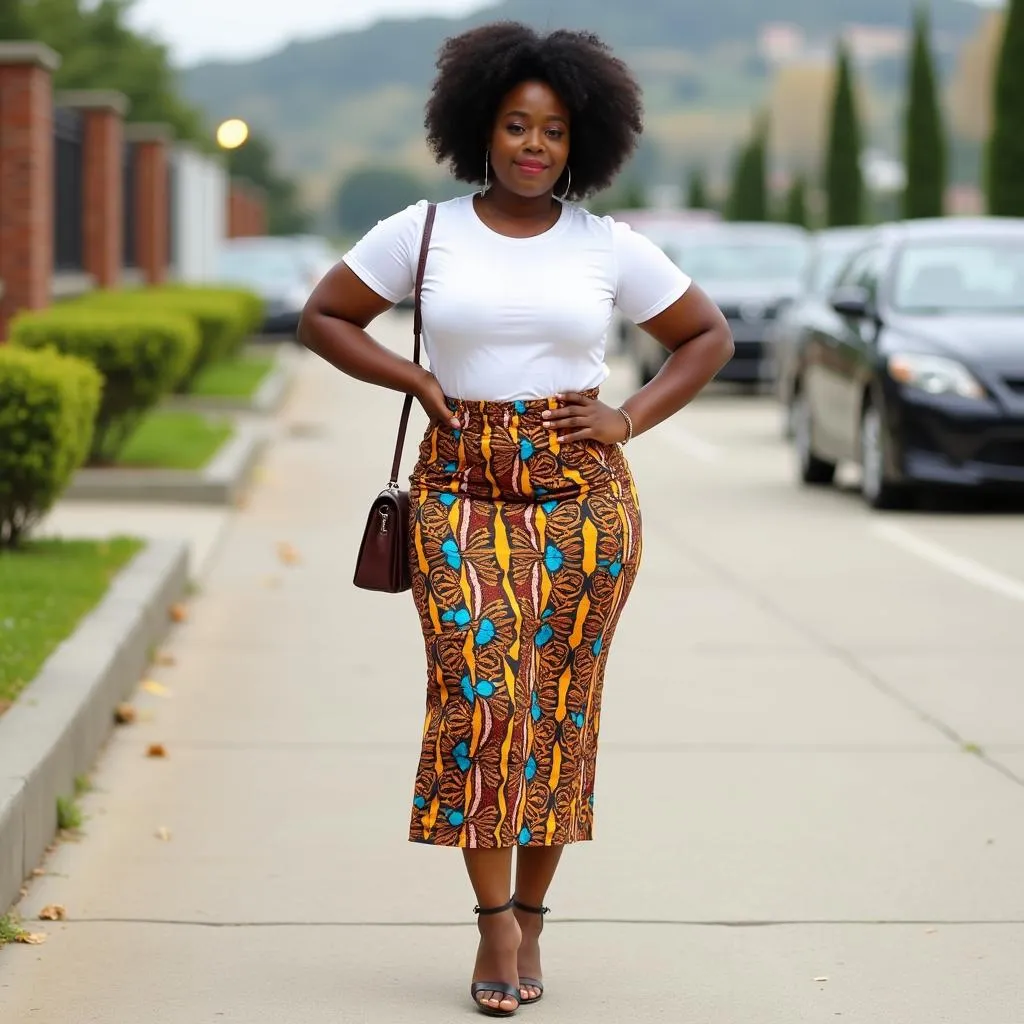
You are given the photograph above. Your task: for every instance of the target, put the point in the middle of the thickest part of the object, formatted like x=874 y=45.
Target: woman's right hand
x=432 y=398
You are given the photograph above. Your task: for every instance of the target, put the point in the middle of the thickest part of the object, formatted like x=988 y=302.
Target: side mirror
x=851 y=301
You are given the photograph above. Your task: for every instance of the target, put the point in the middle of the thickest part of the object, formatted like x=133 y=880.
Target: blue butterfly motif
x=549 y=506
x=578 y=718
x=459 y=616
x=451 y=467
x=482 y=689
x=420 y=803
x=544 y=635
x=535 y=708
x=520 y=407
x=526 y=449
x=614 y=567
x=524 y=836
x=448 y=499
x=452 y=554
x=485 y=632
x=553 y=558
x=531 y=769
x=461 y=755
x=455 y=818
x=598 y=646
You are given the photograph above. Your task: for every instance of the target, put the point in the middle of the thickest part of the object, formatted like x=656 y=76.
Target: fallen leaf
x=166 y=659
x=179 y=613
x=31 y=938
x=38 y=872
x=155 y=688
x=125 y=714
x=288 y=554
x=156 y=750
x=163 y=833
x=822 y=978
x=54 y=912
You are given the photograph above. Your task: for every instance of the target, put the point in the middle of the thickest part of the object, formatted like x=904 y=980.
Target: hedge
x=48 y=406
x=141 y=355
x=222 y=317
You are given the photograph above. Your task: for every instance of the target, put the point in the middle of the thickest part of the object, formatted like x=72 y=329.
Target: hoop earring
x=487 y=173
x=568 y=186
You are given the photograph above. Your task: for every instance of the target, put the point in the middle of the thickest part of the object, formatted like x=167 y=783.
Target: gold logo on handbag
x=383 y=560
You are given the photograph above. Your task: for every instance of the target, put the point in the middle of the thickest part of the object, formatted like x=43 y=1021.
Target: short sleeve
x=385 y=258
x=648 y=281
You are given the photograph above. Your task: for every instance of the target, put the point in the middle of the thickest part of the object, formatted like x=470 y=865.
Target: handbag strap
x=417 y=329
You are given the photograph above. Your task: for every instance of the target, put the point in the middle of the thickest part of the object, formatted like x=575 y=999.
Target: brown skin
x=532 y=126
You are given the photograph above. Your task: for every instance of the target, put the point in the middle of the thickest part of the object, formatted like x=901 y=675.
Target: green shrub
x=221 y=319
x=254 y=308
x=48 y=406
x=141 y=355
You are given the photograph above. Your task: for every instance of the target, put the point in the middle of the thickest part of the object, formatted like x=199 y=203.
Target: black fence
x=69 y=199
x=129 y=257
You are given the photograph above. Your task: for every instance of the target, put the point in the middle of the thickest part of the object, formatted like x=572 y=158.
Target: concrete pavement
x=812 y=768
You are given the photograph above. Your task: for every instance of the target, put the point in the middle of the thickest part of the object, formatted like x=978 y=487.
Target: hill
x=357 y=97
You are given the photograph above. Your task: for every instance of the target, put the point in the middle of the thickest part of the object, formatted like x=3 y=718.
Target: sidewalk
x=754 y=779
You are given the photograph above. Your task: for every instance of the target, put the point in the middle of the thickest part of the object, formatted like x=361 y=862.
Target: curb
x=268 y=399
x=220 y=482
x=55 y=731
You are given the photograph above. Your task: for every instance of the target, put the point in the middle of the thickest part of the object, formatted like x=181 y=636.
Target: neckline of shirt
x=556 y=228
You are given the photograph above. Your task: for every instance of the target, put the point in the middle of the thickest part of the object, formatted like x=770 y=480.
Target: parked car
x=830 y=250
x=919 y=375
x=750 y=271
x=283 y=270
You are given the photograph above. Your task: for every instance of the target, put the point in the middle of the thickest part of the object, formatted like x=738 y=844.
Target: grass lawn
x=233 y=378
x=169 y=439
x=46 y=587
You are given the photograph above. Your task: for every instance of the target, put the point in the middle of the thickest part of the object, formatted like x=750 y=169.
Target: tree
x=844 y=182
x=795 y=211
x=799 y=107
x=697 y=191
x=748 y=199
x=254 y=161
x=971 y=92
x=370 y=194
x=14 y=23
x=924 y=140
x=1006 y=147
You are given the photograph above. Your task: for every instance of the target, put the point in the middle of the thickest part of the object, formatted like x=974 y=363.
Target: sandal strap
x=530 y=910
x=512 y=991
x=487 y=911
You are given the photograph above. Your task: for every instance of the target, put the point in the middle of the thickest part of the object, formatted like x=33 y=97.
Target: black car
x=918 y=374
x=750 y=271
x=830 y=250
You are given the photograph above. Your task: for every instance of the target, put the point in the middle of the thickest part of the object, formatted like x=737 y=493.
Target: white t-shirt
x=517 y=318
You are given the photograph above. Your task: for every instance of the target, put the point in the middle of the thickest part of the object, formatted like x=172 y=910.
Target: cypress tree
x=1006 y=147
x=844 y=184
x=924 y=139
x=748 y=199
x=696 y=191
x=795 y=211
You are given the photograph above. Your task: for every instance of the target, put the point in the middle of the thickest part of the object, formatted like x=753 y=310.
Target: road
x=811 y=786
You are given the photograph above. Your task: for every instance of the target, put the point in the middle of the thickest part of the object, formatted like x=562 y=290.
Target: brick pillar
x=152 y=142
x=237 y=227
x=103 y=112
x=26 y=177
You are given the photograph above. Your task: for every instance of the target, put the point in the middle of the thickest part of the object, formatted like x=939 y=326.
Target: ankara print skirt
x=524 y=552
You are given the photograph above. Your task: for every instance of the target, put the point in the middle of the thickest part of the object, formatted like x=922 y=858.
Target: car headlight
x=935 y=375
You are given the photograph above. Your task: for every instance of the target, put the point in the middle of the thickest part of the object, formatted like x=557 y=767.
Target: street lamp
x=232 y=133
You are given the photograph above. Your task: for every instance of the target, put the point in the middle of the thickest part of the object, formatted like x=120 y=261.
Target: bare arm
x=698 y=337
x=333 y=325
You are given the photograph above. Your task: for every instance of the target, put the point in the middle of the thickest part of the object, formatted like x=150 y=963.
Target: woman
x=525 y=524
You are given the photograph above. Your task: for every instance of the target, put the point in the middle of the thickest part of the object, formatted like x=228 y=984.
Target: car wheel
x=813 y=470
x=875 y=488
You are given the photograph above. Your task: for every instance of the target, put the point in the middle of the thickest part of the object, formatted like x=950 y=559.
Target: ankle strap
x=487 y=911
x=530 y=910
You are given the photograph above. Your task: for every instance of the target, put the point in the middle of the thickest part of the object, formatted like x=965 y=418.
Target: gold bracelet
x=629 y=426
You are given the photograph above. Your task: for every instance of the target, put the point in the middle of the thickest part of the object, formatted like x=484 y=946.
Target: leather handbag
x=383 y=560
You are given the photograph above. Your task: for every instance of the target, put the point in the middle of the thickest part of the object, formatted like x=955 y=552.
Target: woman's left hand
x=579 y=418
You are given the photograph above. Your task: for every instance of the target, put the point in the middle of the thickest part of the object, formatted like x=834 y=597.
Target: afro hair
x=478 y=68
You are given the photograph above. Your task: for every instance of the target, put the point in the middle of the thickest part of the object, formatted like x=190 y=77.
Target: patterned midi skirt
x=524 y=551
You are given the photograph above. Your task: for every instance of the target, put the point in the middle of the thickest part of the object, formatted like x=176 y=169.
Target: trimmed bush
x=222 y=320
x=254 y=308
x=48 y=406
x=141 y=355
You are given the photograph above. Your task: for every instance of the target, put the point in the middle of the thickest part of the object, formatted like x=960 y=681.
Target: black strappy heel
x=507 y=991
x=531 y=982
